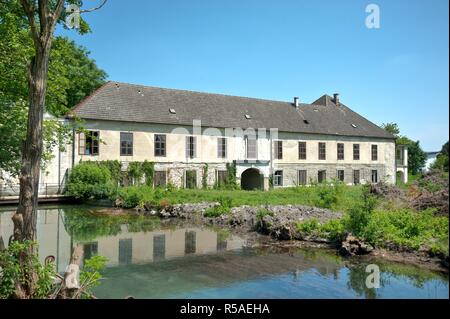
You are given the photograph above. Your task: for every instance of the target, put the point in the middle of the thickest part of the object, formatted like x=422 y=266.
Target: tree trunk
x=25 y=217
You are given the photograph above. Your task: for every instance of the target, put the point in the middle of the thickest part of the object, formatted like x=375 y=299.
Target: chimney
x=336 y=98
x=296 y=102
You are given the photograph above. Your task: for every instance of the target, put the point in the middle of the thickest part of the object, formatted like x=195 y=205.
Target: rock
x=354 y=246
x=118 y=202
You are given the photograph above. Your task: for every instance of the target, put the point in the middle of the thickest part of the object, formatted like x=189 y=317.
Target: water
x=149 y=258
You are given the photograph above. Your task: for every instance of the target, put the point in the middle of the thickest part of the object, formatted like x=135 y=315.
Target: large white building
x=292 y=143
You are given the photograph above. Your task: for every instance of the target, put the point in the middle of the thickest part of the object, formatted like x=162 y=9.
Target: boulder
x=354 y=246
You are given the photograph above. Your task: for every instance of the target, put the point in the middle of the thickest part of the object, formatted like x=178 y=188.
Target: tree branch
x=54 y=17
x=29 y=11
x=43 y=15
x=93 y=9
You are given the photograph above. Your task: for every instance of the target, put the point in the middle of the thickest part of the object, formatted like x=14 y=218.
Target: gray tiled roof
x=136 y=103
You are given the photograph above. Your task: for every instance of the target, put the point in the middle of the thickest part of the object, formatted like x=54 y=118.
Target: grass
x=337 y=198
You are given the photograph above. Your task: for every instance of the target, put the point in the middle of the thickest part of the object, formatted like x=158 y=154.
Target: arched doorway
x=251 y=179
x=400 y=178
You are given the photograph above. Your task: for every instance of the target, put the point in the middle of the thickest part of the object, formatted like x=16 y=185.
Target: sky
x=278 y=49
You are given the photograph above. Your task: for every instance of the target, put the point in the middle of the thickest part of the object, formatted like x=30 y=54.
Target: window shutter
x=187 y=147
x=81 y=143
x=194 y=146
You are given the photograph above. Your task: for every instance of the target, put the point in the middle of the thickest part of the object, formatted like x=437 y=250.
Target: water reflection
x=148 y=258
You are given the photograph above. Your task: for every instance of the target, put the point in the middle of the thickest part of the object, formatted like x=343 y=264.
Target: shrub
x=89 y=180
x=263 y=212
x=359 y=215
x=327 y=194
x=223 y=208
x=132 y=196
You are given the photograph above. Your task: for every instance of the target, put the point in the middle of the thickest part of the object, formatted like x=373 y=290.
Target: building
x=431 y=158
x=286 y=143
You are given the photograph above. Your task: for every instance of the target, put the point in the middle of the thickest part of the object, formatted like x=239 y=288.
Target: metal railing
x=45 y=189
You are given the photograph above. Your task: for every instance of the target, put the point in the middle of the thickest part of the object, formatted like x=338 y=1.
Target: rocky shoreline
x=279 y=224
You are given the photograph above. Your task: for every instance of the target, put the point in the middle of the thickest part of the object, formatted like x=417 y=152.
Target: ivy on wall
x=205 y=177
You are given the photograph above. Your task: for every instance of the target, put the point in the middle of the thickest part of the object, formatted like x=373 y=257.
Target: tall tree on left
x=42 y=17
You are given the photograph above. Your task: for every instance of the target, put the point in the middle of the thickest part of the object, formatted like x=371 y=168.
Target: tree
x=42 y=16
x=391 y=128
x=416 y=156
x=72 y=76
x=441 y=161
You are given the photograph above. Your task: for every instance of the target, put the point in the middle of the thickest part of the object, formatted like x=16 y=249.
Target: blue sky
x=277 y=49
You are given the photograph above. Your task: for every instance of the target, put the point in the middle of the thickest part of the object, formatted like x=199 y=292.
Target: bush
x=132 y=196
x=327 y=194
x=222 y=209
x=89 y=180
x=359 y=215
x=263 y=212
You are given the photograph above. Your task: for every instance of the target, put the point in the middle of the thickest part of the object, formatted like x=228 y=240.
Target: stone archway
x=400 y=178
x=251 y=179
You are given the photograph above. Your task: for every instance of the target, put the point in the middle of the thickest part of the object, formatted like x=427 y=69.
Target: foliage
x=90 y=275
x=332 y=229
x=72 y=76
x=409 y=229
x=226 y=203
x=85 y=225
x=135 y=172
x=416 y=157
x=205 y=177
x=262 y=213
x=12 y=270
x=441 y=161
x=231 y=178
x=327 y=194
x=149 y=170
x=89 y=180
x=115 y=169
x=359 y=214
x=391 y=128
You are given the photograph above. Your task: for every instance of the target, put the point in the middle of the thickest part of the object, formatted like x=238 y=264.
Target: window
x=125 y=251
x=322 y=151
x=189 y=242
x=251 y=146
x=222 y=178
x=221 y=243
x=159 y=247
x=278 y=149
x=340 y=151
x=302 y=150
x=160 y=145
x=356 y=152
x=340 y=175
x=302 y=177
x=126 y=144
x=221 y=147
x=90 y=250
x=190 y=146
x=88 y=143
x=374 y=152
x=374 y=176
x=278 y=178
x=159 y=179
x=191 y=179
x=356 y=176
x=322 y=176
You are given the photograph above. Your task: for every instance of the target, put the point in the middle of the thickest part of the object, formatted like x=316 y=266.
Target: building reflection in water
x=123 y=247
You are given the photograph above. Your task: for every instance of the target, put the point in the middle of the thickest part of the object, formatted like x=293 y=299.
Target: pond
x=153 y=258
